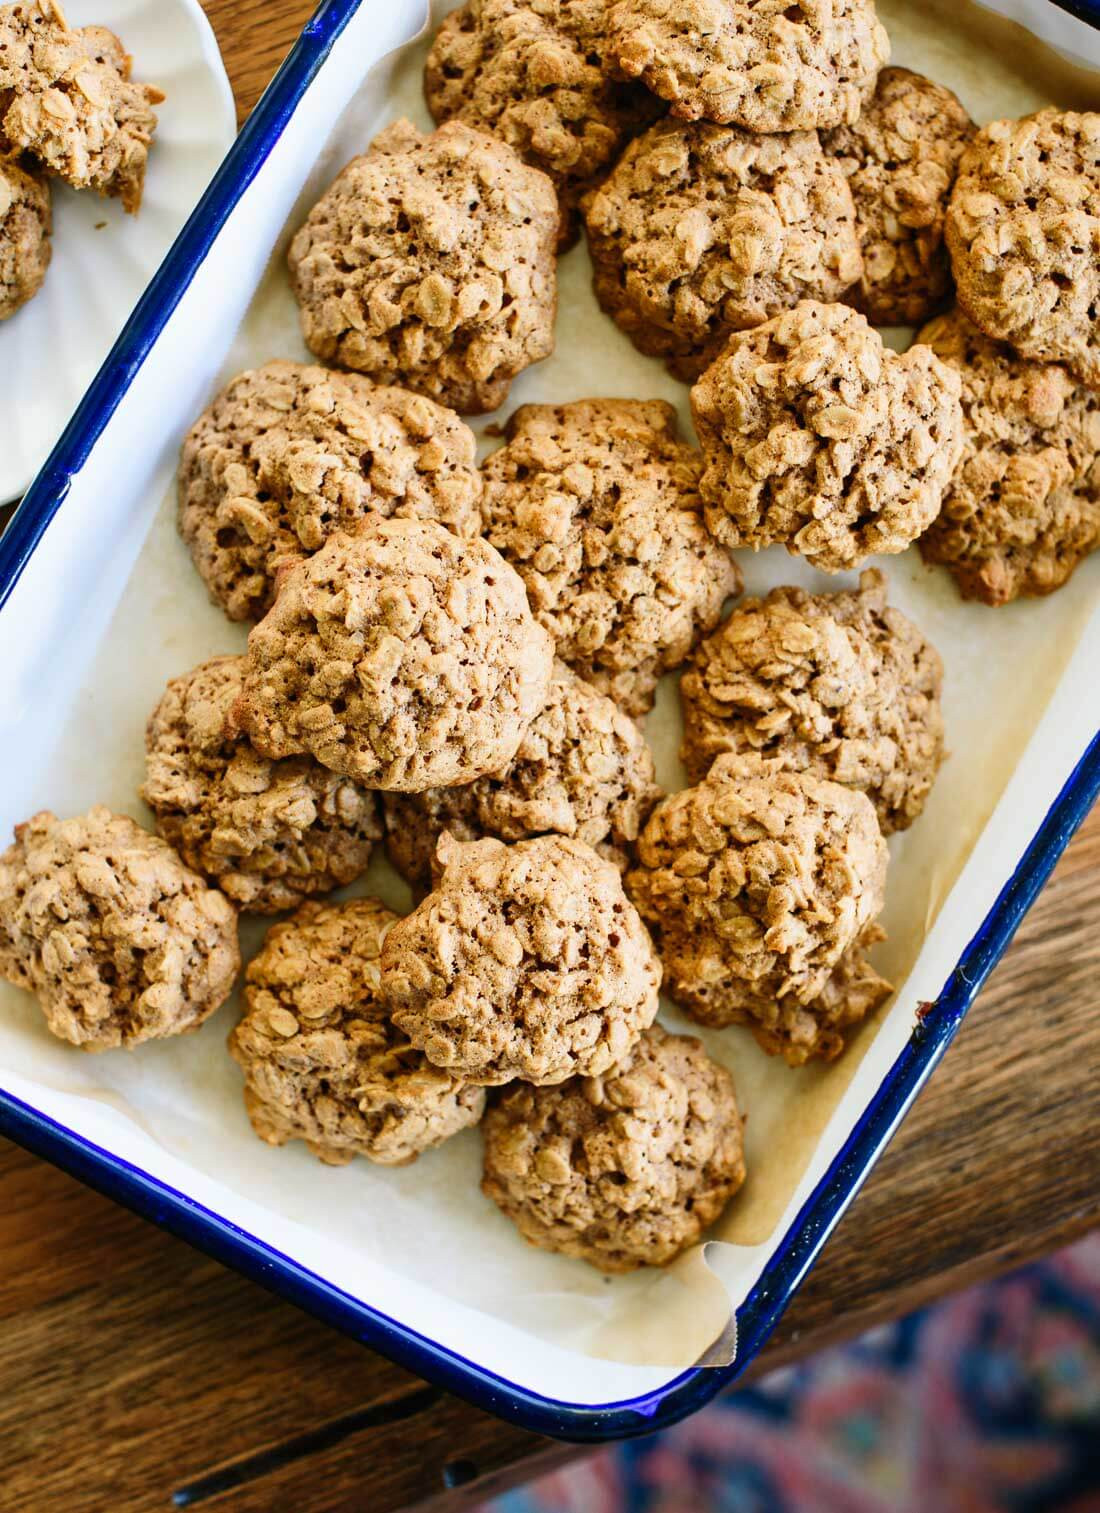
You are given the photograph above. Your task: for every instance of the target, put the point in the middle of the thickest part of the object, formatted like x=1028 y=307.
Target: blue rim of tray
x=174 y=1211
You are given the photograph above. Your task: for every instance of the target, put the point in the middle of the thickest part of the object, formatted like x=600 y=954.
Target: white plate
x=102 y=257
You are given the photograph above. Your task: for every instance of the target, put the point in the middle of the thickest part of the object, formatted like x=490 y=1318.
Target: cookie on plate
x=526 y=961
x=818 y=437
x=1023 y=230
x=761 y=887
x=596 y=504
x=625 y=1169
x=289 y=453
x=115 y=937
x=401 y=656
x=840 y=685
x=321 y=1060
x=26 y=221
x=430 y=263
x=761 y=64
x=269 y=834
x=702 y=230
x=583 y=770
x=901 y=157
x=536 y=76
x=67 y=99
x=1023 y=508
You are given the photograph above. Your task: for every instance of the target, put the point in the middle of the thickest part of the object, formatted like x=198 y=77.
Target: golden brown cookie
x=536 y=76
x=596 y=504
x=67 y=99
x=622 y=1170
x=702 y=230
x=583 y=770
x=321 y=1060
x=761 y=888
x=526 y=961
x=901 y=157
x=1023 y=508
x=402 y=657
x=763 y=64
x=269 y=834
x=115 y=937
x=1023 y=230
x=289 y=453
x=430 y=263
x=818 y=437
x=837 y=685
x=25 y=225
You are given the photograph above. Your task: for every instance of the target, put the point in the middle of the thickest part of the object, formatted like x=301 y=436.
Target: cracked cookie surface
x=267 y=833
x=818 y=437
x=1023 y=507
x=289 y=453
x=767 y=65
x=526 y=961
x=622 y=1170
x=322 y=1063
x=596 y=505
x=838 y=685
x=761 y=887
x=583 y=770
x=25 y=225
x=116 y=938
x=703 y=230
x=1023 y=230
x=430 y=263
x=402 y=657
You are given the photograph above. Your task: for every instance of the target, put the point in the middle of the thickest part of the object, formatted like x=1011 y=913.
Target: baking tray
x=64 y=566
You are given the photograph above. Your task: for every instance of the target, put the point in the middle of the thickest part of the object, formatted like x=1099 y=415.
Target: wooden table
x=135 y=1371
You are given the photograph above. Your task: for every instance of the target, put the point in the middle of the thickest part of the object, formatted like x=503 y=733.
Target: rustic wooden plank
x=136 y=1370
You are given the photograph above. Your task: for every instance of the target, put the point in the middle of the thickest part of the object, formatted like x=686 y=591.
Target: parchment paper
x=425 y=1234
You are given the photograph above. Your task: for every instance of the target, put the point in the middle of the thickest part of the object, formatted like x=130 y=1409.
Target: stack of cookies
x=456 y=658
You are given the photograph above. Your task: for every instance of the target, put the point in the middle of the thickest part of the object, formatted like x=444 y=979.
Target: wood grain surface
x=137 y=1374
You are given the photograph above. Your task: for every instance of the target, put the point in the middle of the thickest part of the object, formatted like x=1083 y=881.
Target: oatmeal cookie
x=322 y=1062
x=526 y=961
x=430 y=262
x=759 y=885
x=25 y=225
x=583 y=769
x=1023 y=230
x=115 y=937
x=901 y=158
x=837 y=685
x=1023 y=508
x=766 y=65
x=287 y=454
x=596 y=504
x=625 y=1169
x=269 y=834
x=536 y=76
x=401 y=656
x=701 y=230
x=818 y=437
x=67 y=99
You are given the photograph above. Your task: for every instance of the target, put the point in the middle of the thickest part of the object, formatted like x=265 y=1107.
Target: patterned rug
x=987 y=1403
